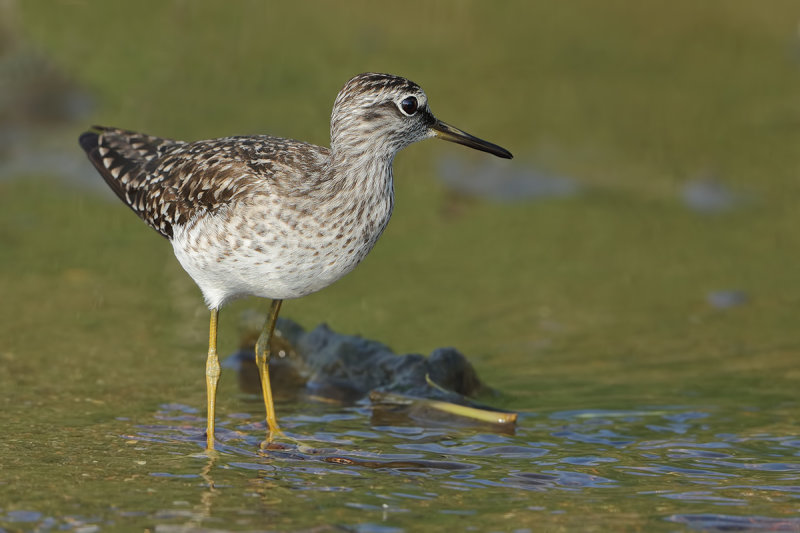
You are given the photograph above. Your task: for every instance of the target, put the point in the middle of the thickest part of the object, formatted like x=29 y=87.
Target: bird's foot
x=278 y=440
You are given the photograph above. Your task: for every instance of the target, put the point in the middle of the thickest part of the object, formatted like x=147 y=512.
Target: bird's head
x=385 y=113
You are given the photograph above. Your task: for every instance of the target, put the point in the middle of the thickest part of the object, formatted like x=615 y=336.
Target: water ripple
x=721 y=522
x=385 y=469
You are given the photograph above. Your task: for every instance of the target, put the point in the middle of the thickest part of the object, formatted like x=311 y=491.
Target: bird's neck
x=359 y=182
x=361 y=156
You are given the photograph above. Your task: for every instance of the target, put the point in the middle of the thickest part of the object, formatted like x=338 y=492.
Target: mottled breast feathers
x=167 y=183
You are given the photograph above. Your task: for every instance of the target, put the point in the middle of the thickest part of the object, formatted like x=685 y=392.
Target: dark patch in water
x=710 y=196
x=503 y=181
x=727 y=298
x=41 y=108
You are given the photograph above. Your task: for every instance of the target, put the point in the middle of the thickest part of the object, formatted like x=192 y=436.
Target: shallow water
x=650 y=468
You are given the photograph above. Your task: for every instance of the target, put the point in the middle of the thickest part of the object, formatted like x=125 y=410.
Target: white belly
x=229 y=256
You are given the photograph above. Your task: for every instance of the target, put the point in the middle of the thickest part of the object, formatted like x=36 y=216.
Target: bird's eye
x=409 y=105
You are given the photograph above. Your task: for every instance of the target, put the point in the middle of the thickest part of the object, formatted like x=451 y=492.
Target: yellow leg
x=262 y=361
x=212 y=377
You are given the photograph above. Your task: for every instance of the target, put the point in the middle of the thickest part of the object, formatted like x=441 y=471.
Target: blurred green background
x=667 y=272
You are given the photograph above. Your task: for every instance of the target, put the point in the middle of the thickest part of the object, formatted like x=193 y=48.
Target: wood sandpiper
x=272 y=217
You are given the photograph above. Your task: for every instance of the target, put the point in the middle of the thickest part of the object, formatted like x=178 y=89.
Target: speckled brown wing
x=126 y=160
x=168 y=183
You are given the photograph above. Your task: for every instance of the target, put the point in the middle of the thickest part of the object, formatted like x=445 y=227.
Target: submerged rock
x=333 y=367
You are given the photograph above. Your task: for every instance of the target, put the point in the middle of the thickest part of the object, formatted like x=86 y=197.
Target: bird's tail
x=121 y=157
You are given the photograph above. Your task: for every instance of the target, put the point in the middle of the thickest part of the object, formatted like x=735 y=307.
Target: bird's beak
x=449 y=133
